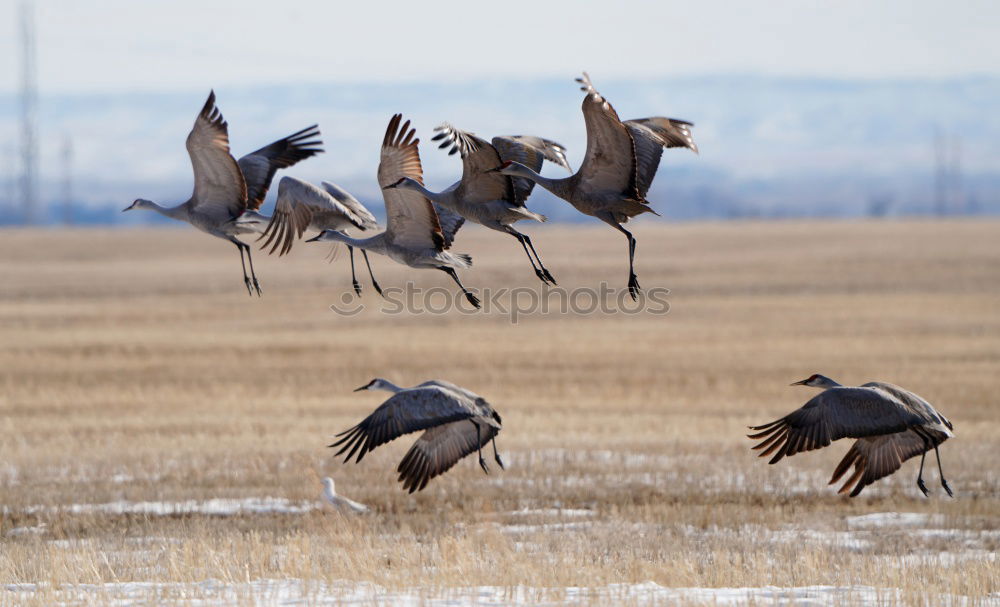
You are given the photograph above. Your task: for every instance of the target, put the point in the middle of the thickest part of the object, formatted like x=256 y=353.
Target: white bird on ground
x=489 y=198
x=417 y=233
x=891 y=425
x=340 y=502
x=618 y=168
x=456 y=423
x=225 y=189
x=302 y=206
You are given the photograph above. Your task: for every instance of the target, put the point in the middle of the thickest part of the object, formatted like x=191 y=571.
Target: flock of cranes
x=890 y=424
x=497 y=178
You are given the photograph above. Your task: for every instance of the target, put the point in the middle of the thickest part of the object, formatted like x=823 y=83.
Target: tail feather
x=533 y=215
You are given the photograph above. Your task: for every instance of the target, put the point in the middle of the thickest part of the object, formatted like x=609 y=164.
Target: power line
x=940 y=173
x=29 y=106
x=10 y=182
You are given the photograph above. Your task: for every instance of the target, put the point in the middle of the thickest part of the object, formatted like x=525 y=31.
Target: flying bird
x=891 y=425
x=618 y=168
x=418 y=234
x=224 y=189
x=489 y=198
x=456 y=422
x=303 y=206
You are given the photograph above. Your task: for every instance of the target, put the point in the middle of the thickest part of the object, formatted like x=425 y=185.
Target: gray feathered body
x=891 y=424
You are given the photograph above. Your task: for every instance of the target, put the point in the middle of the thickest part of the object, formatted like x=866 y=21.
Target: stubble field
x=162 y=434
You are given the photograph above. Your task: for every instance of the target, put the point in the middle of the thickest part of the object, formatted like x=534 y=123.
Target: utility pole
x=67 y=181
x=956 y=192
x=29 y=103
x=940 y=173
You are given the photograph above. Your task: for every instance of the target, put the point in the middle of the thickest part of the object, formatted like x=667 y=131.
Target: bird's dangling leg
x=944 y=483
x=378 y=289
x=633 y=280
x=354 y=279
x=479 y=445
x=246 y=279
x=521 y=239
x=451 y=272
x=548 y=275
x=496 y=455
x=253 y=276
x=920 y=475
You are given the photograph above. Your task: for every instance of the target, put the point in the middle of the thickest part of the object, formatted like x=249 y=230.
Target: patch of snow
x=212 y=507
x=966 y=537
x=894 y=519
x=938 y=559
x=22 y=531
x=546 y=527
x=293 y=591
x=557 y=512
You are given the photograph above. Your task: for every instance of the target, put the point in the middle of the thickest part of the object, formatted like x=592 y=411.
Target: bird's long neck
x=440 y=197
x=374 y=243
x=552 y=185
x=177 y=212
x=391 y=387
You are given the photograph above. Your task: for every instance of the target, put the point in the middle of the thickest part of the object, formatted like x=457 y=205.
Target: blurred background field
x=140 y=382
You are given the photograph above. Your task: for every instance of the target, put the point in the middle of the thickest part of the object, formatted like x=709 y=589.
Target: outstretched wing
x=831 y=415
x=368 y=221
x=530 y=151
x=672 y=132
x=219 y=189
x=259 y=167
x=441 y=447
x=402 y=413
x=478 y=157
x=609 y=163
x=876 y=457
x=550 y=150
x=651 y=135
x=298 y=202
x=411 y=219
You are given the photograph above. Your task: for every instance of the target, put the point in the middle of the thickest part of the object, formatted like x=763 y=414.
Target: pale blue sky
x=117 y=45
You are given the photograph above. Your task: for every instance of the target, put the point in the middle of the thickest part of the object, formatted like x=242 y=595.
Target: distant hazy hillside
x=769 y=147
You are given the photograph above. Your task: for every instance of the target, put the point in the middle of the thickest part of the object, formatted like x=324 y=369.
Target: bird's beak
x=128 y=208
x=800 y=383
x=493 y=170
x=364 y=387
x=391 y=186
x=315 y=238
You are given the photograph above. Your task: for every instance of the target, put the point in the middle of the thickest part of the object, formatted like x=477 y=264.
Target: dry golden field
x=162 y=434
